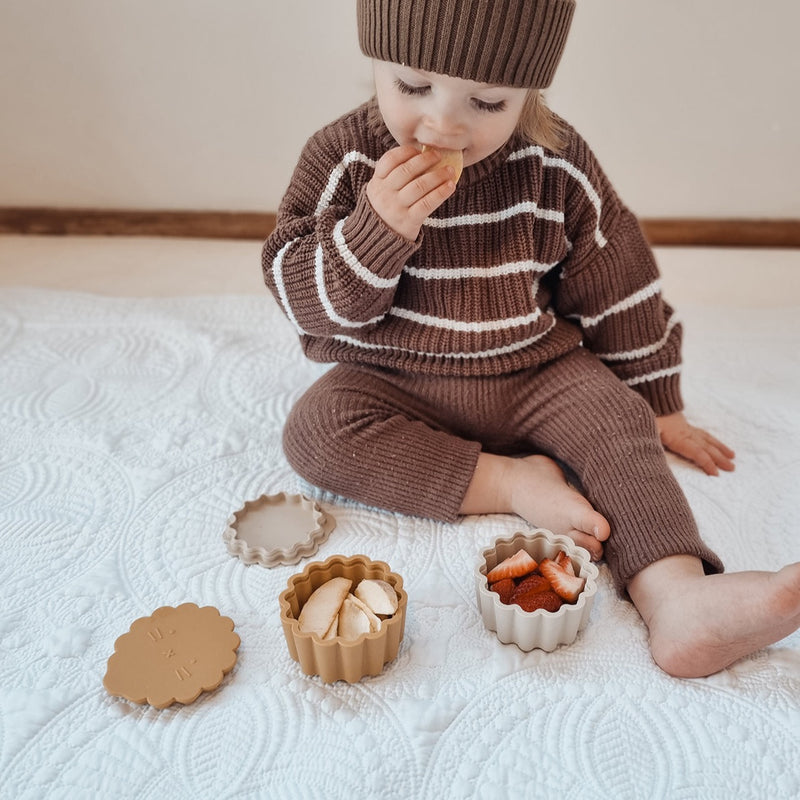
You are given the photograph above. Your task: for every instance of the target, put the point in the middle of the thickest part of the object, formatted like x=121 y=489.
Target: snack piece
x=320 y=610
x=521 y=563
x=452 y=158
x=531 y=601
x=379 y=595
x=565 y=562
x=352 y=620
x=505 y=588
x=333 y=631
x=374 y=620
x=531 y=584
x=566 y=586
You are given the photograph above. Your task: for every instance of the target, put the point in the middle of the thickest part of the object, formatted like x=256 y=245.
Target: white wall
x=204 y=104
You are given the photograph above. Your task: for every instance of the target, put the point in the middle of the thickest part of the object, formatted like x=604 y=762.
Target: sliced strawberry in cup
x=521 y=563
x=566 y=586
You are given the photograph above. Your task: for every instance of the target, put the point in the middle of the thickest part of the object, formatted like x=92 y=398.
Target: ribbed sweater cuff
x=376 y=246
x=663 y=395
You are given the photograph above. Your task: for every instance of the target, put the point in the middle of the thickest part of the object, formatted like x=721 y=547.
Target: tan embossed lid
x=173 y=655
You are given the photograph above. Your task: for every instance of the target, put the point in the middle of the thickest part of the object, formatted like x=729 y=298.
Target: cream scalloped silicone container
x=338 y=659
x=277 y=529
x=541 y=629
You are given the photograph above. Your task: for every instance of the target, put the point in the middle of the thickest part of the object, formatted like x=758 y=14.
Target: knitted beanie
x=507 y=42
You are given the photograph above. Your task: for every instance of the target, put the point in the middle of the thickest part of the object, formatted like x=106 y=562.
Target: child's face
x=425 y=108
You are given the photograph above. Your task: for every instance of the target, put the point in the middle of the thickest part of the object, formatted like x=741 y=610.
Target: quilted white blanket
x=131 y=429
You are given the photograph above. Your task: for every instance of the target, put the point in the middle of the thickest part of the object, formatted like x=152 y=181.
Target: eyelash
x=418 y=91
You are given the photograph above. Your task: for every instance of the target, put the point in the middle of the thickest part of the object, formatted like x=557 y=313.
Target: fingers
x=402 y=165
x=712 y=454
x=722 y=454
x=405 y=189
x=704 y=450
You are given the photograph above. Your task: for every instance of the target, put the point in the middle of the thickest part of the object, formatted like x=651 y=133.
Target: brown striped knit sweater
x=532 y=256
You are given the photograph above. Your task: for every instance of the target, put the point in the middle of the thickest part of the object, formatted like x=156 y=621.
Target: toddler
x=492 y=332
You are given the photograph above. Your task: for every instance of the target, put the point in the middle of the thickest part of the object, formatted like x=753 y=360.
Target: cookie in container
x=337 y=658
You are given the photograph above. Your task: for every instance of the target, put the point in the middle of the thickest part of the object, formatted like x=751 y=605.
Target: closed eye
x=420 y=91
x=492 y=108
x=406 y=88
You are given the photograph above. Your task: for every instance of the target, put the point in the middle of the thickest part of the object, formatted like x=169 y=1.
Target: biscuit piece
x=453 y=158
x=379 y=595
x=319 y=611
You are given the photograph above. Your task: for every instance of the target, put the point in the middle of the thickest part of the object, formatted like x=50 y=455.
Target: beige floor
x=141 y=266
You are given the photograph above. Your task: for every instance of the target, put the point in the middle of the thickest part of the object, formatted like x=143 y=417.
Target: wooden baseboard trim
x=679 y=232
x=113 y=222
x=723 y=232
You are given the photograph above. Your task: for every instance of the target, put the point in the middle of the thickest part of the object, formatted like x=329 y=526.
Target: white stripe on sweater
x=277 y=274
x=623 y=305
x=511 y=268
x=496 y=351
x=337 y=173
x=466 y=327
x=358 y=268
x=573 y=171
x=653 y=376
x=643 y=352
x=319 y=275
x=501 y=215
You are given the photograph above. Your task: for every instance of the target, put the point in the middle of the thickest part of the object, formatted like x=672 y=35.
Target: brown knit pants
x=409 y=443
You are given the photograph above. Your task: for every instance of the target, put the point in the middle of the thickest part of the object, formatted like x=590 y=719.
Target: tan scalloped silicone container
x=338 y=659
x=540 y=629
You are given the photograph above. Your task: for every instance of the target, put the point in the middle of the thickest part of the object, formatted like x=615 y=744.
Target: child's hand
x=694 y=444
x=403 y=193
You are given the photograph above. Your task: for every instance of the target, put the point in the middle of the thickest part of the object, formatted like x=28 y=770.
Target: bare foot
x=535 y=488
x=699 y=624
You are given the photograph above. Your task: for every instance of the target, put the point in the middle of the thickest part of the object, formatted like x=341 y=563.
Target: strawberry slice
x=514 y=566
x=532 y=584
x=548 y=600
x=565 y=562
x=566 y=586
x=505 y=588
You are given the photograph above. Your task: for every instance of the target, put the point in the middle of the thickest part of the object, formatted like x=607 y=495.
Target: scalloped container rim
x=540 y=629
x=338 y=659
x=277 y=529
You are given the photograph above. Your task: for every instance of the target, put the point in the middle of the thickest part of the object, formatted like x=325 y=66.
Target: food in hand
x=334 y=611
x=521 y=581
x=452 y=158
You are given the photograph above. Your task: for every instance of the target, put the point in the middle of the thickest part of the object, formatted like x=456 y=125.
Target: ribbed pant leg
x=606 y=433
x=358 y=434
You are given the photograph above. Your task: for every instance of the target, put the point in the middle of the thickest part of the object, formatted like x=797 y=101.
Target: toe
x=588 y=542
x=593 y=523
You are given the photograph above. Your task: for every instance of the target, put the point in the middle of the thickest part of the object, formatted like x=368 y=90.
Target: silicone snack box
x=541 y=629
x=338 y=659
x=277 y=529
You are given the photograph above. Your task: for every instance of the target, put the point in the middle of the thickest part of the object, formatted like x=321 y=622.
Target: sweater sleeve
x=611 y=288
x=331 y=262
